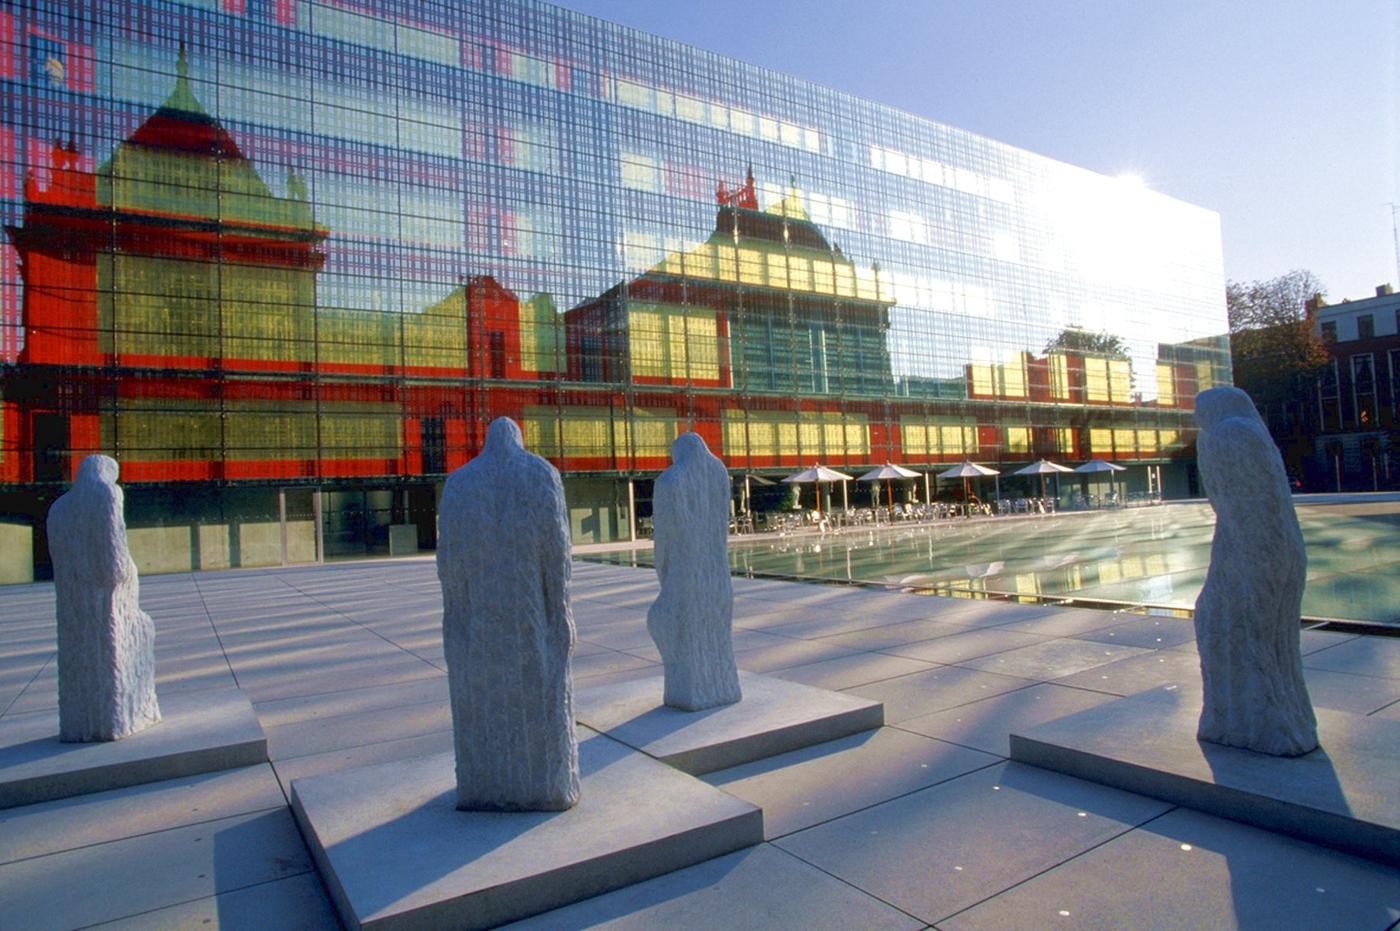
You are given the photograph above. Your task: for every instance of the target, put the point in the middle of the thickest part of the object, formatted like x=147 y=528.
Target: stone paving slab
x=134 y=875
x=806 y=787
x=959 y=647
x=942 y=849
x=283 y=627
x=847 y=672
x=1343 y=795
x=1051 y=659
x=987 y=724
x=199 y=732
x=297 y=903
x=760 y=887
x=774 y=717
x=636 y=819
x=942 y=687
x=1186 y=871
x=1372 y=656
x=1146 y=631
x=102 y=817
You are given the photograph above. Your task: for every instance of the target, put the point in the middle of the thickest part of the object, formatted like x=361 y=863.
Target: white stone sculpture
x=1248 y=613
x=691 y=619
x=106 y=643
x=503 y=560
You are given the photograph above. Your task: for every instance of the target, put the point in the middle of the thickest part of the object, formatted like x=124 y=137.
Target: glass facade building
x=286 y=259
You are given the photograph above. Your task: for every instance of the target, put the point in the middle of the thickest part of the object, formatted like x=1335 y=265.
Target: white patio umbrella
x=967 y=470
x=1099 y=466
x=888 y=473
x=1043 y=467
x=815 y=475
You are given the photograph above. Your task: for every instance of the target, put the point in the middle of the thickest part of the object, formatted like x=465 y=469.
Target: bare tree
x=1273 y=349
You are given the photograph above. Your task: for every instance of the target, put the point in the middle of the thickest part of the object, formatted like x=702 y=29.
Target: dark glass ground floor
x=184 y=527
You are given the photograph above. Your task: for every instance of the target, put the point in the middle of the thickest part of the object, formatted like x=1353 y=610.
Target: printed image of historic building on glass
x=285 y=260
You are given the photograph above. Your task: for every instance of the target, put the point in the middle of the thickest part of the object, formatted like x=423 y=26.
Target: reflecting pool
x=1154 y=556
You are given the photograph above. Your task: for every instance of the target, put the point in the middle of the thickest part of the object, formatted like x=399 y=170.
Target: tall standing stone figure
x=503 y=560
x=106 y=643
x=1248 y=613
x=691 y=620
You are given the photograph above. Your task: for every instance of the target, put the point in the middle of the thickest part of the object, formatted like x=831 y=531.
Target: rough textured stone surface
x=692 y=618
x=1247 y=615
x=507 y=630
x=106 y=643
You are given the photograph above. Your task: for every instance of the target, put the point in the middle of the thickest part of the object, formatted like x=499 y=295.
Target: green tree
x=1076 y=339
x=1274 y=352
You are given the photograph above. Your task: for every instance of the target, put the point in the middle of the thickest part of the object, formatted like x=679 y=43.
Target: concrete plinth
x=395 y=852
x=775 y=716
x=199 y=732
x=1343 y=795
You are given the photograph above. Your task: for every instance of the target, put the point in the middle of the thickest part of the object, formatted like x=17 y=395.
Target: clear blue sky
x=1281 y=115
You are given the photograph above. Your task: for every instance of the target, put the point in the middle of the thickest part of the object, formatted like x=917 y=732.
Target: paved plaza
x=922 y=822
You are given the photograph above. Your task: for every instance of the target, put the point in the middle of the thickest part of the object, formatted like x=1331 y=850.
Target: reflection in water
x=1152 y=556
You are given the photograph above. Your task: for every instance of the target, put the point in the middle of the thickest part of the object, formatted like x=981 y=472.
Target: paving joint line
x=32 y=679
x=209 y=617
x=1087 y=850
x=201 y=898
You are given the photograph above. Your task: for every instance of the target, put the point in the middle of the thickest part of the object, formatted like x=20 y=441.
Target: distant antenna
x=1395 y=234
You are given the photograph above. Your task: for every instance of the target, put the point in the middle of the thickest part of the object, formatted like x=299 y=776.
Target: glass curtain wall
x=259 y=245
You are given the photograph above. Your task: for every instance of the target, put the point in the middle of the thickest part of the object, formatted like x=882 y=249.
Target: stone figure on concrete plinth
x=1248 y=613
x=691 y=620
x=106 y=643
x=503 y=560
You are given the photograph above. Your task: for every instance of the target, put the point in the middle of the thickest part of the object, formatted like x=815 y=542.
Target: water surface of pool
x=1154 y=556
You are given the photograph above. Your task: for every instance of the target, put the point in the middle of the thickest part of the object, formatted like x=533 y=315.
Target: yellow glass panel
x=1125 y=441
x=438 y=336
x=824 y=436
x=751 y=267
x=1120 y=375
x=159 y=429
x=982 y=382
x=1018 y=439
x=1101 y=441
x=666 y=341
x=163 y=306
x=845 y=281
x=1205 y=376
x=540 y=335
x=800 y=273
x=653 y=432
x=1014 y=377
x=1096 y=379
x=539 y=429
x=914 y=437
x=777 y=270
x=358 y=337
x=646 y=333
x=360 y=430
x=1059 y=377
x=1166 y=384
x=270 y=430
